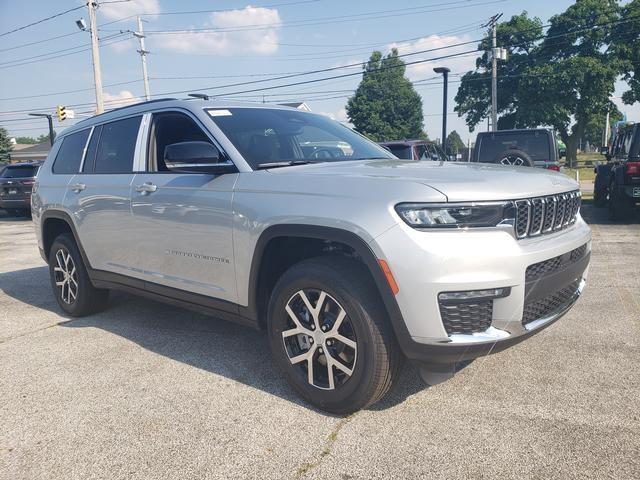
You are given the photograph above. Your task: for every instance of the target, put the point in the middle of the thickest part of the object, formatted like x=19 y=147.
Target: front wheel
x=330 y=335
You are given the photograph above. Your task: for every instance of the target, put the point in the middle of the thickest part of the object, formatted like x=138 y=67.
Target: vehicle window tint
x=535 y=144
x=90 y=156
x=401 y=151
x=117 y=146
x=264 y=135
x=19 y=172
x=70 y=154
x=169 y=128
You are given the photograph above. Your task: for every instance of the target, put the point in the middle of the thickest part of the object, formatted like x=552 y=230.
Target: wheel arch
x=54 y=223
x=258 y=294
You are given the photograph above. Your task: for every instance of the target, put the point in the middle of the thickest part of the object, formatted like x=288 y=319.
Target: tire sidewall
x=64 y=242
x=319 y=278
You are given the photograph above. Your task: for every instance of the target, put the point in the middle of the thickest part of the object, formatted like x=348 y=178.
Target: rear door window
x=117 y=146
x=70 y=154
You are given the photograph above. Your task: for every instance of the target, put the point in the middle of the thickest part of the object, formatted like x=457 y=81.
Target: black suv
x=618 y=180
x=16 y=182
x=526 y=147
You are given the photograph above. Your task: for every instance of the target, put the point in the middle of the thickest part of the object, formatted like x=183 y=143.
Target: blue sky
x=225 y=47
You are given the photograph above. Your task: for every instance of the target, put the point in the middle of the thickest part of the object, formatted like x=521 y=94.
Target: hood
x=458 y=181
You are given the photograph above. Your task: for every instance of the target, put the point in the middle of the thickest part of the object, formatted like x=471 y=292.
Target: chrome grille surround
x=541 y=215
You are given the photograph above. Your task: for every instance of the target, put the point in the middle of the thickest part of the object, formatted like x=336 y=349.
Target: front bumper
x=426 y=264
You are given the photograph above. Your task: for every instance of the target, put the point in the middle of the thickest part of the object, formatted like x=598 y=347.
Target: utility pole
x=143 y=55
x=606 y=131
x=92 y=5
x=493 y=22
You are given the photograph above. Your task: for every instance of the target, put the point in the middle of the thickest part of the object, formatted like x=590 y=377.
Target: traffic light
x=61 y=112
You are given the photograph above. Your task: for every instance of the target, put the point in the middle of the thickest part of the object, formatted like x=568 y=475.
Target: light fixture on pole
x=50 y=119
x=445 y=75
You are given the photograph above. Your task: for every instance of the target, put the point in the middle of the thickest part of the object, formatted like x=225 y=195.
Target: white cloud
x=422 y=70
x=125 y=97
x=114 y=11
x=339 y=115
x=262 y=41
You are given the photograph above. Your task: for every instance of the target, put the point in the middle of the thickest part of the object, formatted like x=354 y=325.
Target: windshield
x=535 y=144
x=265 y=135
x=19 y=172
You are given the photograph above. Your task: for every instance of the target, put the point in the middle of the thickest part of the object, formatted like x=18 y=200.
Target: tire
x=514 y=157
x=363 y=343
x=82 y=300
x=600 y=197
x=619 y=207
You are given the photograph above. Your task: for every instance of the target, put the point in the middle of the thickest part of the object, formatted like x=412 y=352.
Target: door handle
x=146 y=187
x=78 y=187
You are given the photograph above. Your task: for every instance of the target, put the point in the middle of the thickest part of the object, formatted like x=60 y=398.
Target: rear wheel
x=70 y=281
x=600 y=197
x=619 y=207
x=330 y=335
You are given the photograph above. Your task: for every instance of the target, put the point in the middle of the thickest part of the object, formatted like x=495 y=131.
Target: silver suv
x=350 y=259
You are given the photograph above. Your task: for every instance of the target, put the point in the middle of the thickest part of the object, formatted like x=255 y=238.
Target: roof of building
x=39 y=150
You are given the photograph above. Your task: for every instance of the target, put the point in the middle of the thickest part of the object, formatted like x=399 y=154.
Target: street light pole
x=50 y=119
x=445 y=75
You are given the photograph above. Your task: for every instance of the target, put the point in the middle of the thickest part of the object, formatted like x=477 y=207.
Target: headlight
x=456 y=215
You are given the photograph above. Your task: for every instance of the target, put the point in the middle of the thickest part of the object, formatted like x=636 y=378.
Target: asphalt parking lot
x=144 y=390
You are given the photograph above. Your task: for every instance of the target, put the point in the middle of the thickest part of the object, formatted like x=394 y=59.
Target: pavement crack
x=306 y=467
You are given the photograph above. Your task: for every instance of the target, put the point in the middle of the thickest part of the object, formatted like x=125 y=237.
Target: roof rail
x=128 y=106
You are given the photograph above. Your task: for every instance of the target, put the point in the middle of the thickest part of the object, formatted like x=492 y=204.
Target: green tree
x=5 y=145
x=595 y=128
x=454 y=142
x=562 y=81
x=626 y=42
x=26 y=140
x=385 y=105
x=519 y=36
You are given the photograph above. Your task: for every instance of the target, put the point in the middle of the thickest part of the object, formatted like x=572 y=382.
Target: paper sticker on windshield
x=219 y=113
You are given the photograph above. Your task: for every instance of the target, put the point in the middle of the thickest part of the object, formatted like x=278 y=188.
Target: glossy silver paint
x=198 y=232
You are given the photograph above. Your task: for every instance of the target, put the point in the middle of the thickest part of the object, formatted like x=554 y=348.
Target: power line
x=337 y=19
x=40 y=21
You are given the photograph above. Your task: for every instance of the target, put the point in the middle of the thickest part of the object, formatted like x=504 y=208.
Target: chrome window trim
x=84 y=150
x=140 y=155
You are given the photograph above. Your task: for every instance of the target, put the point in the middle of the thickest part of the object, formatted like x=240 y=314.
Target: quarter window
x=70 y=154
x=117 y=146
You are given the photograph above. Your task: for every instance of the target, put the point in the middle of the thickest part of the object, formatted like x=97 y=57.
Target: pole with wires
x=143 y=55
x=493 y=22
x=97 y=75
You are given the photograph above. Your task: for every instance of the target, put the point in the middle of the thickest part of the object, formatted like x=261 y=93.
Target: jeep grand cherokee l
x=351 y=263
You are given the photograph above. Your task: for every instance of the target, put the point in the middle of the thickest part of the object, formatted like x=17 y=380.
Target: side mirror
x=200 y=157
x=604 y=150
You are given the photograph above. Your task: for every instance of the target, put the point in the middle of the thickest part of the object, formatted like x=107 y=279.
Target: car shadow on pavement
x=223 y=348
x=600 y=215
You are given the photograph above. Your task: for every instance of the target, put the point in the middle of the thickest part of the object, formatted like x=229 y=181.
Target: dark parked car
x=16 y=182
x=415 y=150
x=526 y=147
x=617 y=182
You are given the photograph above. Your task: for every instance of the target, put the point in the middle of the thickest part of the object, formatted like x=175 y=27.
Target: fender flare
x=346 y=237
x=60 y=215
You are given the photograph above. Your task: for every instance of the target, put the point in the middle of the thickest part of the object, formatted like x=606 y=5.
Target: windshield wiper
x=289 y=163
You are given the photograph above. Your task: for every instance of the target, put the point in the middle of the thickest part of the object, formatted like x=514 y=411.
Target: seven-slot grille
x=542 y=215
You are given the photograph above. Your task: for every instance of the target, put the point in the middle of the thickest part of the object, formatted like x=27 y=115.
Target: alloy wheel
x=319 y=339
x=66 y=277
